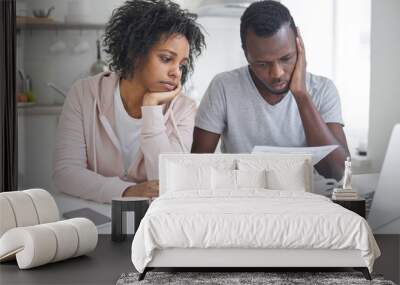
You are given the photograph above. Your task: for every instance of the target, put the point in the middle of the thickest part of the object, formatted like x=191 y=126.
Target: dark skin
x=277 y=64
x=156 y=81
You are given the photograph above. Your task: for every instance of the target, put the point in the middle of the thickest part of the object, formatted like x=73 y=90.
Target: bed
x=240 y=210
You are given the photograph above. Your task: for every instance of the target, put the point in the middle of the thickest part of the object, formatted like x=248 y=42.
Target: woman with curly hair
x=114 y=125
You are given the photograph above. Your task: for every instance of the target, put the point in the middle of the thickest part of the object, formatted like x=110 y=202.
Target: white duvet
x=253 y=218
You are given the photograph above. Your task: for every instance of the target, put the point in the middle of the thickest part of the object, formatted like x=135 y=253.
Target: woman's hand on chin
x=159 y=98
x=147 y=189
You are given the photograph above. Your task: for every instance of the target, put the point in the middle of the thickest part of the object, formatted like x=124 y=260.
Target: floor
x=110 y=260
x=389 y=262
x=102 y=266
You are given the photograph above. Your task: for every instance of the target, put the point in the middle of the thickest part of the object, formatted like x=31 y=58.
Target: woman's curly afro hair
x=139 y=24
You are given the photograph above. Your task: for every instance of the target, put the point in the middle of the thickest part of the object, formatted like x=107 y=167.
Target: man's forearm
x=317 y=134
x=204 y=141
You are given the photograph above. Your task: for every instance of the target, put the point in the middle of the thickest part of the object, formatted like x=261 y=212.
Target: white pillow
x=281 y=174
x=292 y=180
x=223 y=179
x=251 y=178
x=231 y=180
x=188 y=177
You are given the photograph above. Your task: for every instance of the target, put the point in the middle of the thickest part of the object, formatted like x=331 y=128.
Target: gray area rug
x=228 y=278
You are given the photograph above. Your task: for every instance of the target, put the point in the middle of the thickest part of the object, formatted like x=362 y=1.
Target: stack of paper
x=317 y=152
x=344 y=194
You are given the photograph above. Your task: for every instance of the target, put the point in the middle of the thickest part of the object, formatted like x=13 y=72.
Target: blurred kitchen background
x=352 y=42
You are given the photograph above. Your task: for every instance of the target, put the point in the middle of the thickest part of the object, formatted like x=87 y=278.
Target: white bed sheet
x=252 y=218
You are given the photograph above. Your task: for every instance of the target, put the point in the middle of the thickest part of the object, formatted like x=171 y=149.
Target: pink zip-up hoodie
x=88 y=161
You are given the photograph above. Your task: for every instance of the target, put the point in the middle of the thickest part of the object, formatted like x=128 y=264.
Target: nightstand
x=357 y=206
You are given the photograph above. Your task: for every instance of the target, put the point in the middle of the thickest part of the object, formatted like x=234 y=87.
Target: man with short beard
x=273 y=100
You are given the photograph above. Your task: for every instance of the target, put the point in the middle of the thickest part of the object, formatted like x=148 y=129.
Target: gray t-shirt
x=233 y=107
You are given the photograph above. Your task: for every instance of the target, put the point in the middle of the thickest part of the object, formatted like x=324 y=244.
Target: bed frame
x=246 y=258
x=242 y=259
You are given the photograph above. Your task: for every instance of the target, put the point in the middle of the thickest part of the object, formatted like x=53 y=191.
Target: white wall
x=352 y=67
x=318 y=39
x=385 y=75
x=224 y=52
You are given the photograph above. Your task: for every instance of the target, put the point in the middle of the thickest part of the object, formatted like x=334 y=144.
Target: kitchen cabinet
x=37 y=126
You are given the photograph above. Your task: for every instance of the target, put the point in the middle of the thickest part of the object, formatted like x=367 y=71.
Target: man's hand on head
x=298 y=81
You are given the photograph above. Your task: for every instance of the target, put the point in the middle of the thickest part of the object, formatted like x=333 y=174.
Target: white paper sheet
x=317 y=152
